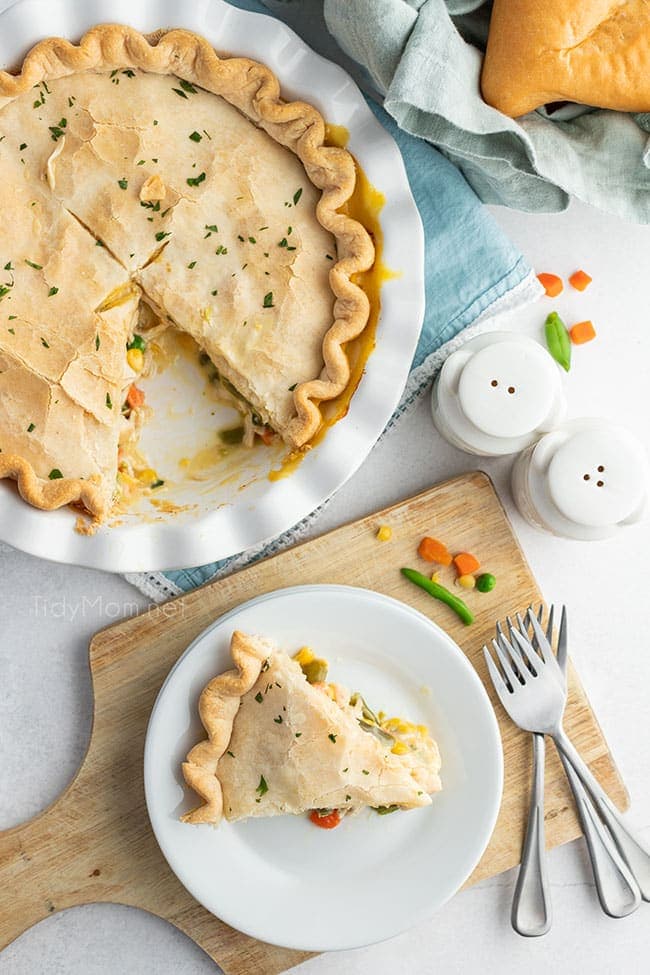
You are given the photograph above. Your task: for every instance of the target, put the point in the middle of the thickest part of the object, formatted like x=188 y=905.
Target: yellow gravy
x=364 y=205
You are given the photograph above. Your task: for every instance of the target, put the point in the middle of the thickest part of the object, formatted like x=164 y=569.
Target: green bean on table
x=558 y=340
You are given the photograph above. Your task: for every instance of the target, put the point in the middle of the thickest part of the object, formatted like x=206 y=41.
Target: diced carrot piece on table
x=582 y=332
x=551 y=284
x=434 y=551
x=134 y=397
x=580 y=280
x=466 y=563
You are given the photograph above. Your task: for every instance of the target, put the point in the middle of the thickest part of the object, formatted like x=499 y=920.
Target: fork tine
x=508 y=646
x=543 y=645
x=524 y=644
x=549 y=624
x=497 y=680
x=550 y=660
x=506 y=662
x=562 y=643
x=526 y=658
x=505 y=645
x=513 y=656
x=527 y=627
x=523 y=627
x=502 y=641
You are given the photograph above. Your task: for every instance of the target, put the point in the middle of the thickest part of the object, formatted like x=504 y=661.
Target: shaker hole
x=511 y=389
x=586 y=477
x=600 y=483
x=601 y=469
x=494 y=382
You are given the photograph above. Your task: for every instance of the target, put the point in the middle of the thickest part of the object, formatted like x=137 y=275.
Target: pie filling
x=135 y=476
x=135 y=200
x=284 y=740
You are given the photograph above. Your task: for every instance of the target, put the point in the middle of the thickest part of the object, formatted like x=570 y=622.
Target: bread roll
x=596 y=53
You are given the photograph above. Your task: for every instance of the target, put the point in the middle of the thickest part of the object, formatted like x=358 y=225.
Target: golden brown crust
x=265 y=718
x=255 y=91
x=595 y=53
x=48 y=495
x=218 y=707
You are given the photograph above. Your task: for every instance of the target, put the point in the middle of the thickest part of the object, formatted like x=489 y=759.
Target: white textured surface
x=45 y=693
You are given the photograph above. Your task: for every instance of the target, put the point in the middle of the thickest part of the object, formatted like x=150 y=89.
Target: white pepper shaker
x=584 y=480
x=497 y=394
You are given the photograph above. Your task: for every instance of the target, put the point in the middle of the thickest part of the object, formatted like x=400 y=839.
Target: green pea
x=486 y=582
x=137 y=342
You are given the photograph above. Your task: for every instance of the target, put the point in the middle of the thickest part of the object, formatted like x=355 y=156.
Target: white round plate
x=281 y=879
x=222 y=519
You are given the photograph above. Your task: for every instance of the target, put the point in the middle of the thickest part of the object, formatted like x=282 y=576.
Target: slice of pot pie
x=282 y=740
x=153 y=173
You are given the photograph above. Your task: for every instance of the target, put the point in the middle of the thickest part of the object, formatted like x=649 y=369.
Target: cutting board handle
x=94 y=843
x=38 y=870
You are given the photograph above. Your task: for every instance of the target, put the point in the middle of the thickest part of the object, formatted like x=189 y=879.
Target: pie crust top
x=137 y=170
x=277 y=744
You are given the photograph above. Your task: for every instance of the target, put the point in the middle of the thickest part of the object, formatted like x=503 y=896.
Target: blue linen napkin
x=472 y=271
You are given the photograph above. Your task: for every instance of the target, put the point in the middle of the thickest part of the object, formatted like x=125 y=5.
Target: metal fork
x=532 y=914
x=534 y=695
x=617 y=890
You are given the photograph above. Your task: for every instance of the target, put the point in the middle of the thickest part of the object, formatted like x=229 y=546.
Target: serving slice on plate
x=277 y=877
x=283 y=740
x=149 y=181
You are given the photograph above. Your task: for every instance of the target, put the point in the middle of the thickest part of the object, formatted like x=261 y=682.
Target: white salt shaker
x=497 y=394
x=584 y=480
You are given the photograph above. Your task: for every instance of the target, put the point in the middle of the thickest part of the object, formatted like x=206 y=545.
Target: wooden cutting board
x=94 y=843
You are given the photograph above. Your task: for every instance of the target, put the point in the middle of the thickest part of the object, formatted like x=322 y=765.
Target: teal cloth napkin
x=472 y=270
x=425 y=56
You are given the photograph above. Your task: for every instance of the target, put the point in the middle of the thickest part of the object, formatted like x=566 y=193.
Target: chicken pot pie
x=156 y=178
x=282 y=740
